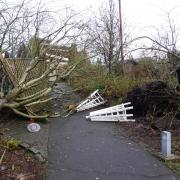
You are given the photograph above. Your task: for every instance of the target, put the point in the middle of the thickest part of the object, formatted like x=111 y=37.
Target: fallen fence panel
x=95 y=99
x=114 y=113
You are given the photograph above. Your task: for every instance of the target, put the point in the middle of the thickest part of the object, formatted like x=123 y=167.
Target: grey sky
x=137 y=14
x=135 y=11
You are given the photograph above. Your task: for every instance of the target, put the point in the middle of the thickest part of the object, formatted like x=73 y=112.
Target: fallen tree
x=13 y=100
x=21 y=28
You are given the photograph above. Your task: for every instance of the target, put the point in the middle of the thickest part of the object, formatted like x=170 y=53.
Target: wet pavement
x=83 y=150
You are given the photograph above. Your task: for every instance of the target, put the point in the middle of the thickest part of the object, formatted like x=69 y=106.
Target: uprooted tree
x=25 y=33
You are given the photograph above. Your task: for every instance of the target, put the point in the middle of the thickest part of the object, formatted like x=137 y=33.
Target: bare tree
x=163 y=46
x=28 y=27
x=103 y=33
x=163 y=43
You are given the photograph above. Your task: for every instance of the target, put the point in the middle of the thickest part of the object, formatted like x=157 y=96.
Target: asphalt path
x=83 y=150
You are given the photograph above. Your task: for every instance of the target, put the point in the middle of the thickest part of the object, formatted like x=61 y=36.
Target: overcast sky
x=141 y=11
x=138 y=14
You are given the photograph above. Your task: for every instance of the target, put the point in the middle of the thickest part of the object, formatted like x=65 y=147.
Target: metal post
x=166 y=144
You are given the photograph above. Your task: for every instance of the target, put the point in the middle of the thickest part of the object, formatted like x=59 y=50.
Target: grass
x=174 y=165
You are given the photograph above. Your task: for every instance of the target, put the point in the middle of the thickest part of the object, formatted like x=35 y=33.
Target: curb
x=37 y=153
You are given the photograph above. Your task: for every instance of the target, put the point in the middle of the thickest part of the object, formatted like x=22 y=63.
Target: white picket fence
x=93 y=100
x=114 y=113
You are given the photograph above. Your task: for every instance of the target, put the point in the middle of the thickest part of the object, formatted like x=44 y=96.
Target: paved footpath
x=83 y=150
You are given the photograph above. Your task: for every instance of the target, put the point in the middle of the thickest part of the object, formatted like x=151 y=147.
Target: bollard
x=166 y=144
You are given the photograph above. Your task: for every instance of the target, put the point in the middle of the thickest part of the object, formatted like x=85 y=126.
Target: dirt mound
x=154 y=98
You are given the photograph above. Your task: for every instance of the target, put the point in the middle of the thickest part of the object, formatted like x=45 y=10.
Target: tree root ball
x=156 y=98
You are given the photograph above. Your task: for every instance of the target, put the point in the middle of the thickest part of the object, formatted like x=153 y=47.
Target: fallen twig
x=2 y=157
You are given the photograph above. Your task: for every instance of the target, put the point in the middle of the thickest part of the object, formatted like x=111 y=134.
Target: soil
x=17 y=164
x=21 y=165
x=156 y=98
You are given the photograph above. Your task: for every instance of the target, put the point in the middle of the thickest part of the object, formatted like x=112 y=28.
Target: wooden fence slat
x=15 y=69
